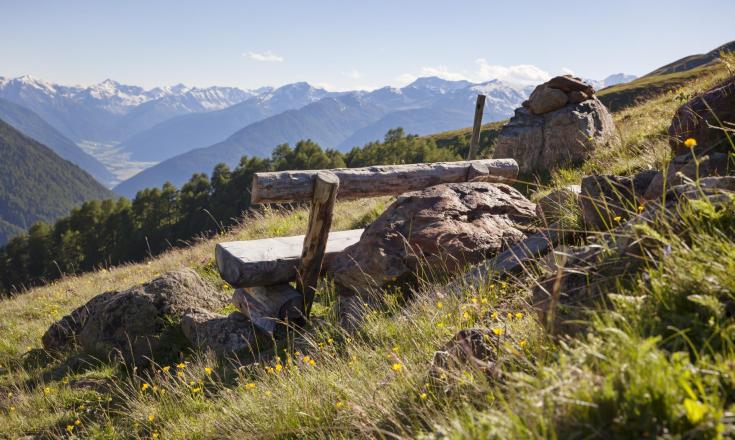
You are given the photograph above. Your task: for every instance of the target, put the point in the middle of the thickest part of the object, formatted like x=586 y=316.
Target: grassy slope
x=623 y=377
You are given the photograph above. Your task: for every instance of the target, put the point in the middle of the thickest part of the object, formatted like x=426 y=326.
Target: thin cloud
x=267 y=56
x=354 y=74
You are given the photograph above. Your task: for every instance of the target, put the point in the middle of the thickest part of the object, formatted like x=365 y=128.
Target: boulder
x=139 y=323
x=569 y=84
x=231 y=336
x=608 y=200
x=565 y=136
x=683 y=168
x=438 y=229
x=544 y=99
x=698 y=119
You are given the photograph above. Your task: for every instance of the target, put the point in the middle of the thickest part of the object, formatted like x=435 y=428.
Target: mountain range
x=179 y=130
x=336 y=120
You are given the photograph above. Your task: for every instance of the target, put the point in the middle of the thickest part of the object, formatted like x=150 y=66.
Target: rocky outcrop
x=702 y=119
x=138 y=324
x=439 y=229
x=561 y=124
x=685 y=168
x=583 y=274
x=608 y=200
x=231 y=336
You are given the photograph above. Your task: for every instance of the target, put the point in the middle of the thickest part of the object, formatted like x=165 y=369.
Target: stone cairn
x=561 y=123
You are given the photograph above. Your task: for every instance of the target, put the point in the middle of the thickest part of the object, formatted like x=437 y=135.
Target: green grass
x=655 y=361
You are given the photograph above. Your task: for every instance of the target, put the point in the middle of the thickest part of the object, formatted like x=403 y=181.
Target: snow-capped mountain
x=110 y=111
x=611 y=80
x=336 y=120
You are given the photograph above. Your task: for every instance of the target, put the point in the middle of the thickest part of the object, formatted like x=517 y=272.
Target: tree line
x=103 y=233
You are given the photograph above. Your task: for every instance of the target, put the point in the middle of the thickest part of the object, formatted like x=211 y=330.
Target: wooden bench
x=262 y=269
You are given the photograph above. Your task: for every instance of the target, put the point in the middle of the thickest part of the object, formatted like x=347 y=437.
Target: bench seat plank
x=272 y=260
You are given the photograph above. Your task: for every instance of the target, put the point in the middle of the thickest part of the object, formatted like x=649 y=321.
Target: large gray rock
x=565 y=136
x=439 y=229
x=231 y=336
x=139 y=323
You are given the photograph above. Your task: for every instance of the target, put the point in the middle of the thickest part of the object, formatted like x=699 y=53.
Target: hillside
x=653 y=362
x=36 y=128
x=693 y=61
x=36 y=184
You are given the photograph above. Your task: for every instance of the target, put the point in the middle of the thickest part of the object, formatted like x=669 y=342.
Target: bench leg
x=315 y=241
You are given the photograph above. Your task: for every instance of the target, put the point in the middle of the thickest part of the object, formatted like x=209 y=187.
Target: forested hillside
x=36 y=184
x=113 y=231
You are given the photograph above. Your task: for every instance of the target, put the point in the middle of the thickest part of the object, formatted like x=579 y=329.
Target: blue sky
x=349 y=44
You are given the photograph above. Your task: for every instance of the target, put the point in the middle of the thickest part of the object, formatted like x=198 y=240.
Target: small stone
x=576 y=96
x=558 y=204
x=545 y=99
x=569 y=83
x=227 y=336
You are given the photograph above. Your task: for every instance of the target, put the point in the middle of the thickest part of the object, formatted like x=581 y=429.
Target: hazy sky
x=349 y=44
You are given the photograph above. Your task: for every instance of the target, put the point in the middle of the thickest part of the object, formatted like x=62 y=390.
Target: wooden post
x=315 y=241
x=475 y=141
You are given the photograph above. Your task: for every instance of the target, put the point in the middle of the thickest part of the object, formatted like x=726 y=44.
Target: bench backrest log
x=323 y=187
x=355 y=183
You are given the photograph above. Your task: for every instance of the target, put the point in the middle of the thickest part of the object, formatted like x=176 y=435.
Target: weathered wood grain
x=476 y=127
x=326 y=186
x=288 y=186
x=272 y=260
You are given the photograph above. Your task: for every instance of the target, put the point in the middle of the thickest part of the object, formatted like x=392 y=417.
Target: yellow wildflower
x=465 y=315
x=312 y=362
x=268 y=394
x=69 y=428
x=279 y=367
x=483 y=301
x=498 y=331
x=617 y=218
x=395 y=349
x=522 y=343
x=166 y=368
x=196 y=390
x=439 y=325
x=330 y=341
x=180 y=374
x=397 y=366
x=519 y=315
x=208 y=371
x=269 y=370
x=47 y=391
x=440 y=305
x=249 y=386
x=181 y=366
x=510 y=315
x=494 y=315
x=339 y=404
x=144 y=387
x=641 y=208
x=151 y=418
x=77 y=422
x=423 y=396
x=474 y=300
x=154 y=435
x=690 y=143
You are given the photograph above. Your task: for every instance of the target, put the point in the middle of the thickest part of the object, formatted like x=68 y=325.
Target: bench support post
x=326 y=186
